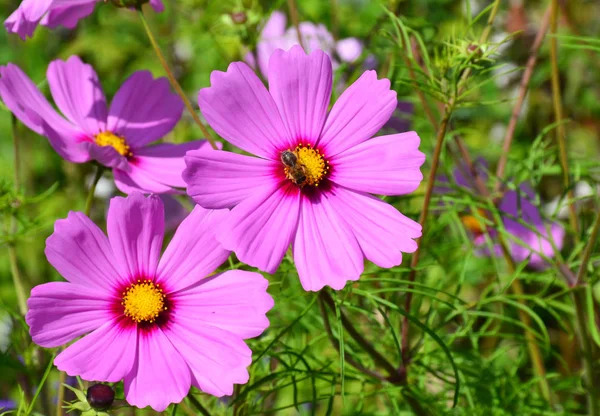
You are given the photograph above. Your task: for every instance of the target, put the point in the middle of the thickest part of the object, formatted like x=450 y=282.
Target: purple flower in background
x=6 y=404
x=274 y=35
x=520 y=217
x=142 y=111
x=311 y=183
x=400 y=121
x=53 y=13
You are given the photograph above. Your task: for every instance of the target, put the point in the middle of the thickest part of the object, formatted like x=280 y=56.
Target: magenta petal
x=359 y=113
x=144 y=110
x=238 y=106
x=216 y=358
x=301 y=87
x=80 y=252
x=107 y=354
x=59 y=312
x=26 y=18
x=136 y=180
x=68 y=15
x=235 y=301
x=135 y=230
x=28 y=104
x=164 y=162
x=106 y=155
x=325 y=250
x=160 y=376
x=224 y=179
x=381 y=230
x=386 y=165
x=261 y=228
x=78 y=94
x=194 y=251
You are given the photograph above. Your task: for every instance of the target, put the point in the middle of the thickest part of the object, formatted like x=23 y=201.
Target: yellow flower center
x=106 y=138
x=311 y=166
x=143 y=301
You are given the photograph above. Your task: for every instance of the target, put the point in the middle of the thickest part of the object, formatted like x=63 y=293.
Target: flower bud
x=100 y=396
x=239 y=18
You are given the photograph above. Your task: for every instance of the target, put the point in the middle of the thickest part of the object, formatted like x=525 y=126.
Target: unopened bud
x=100 y=396
x=239 y=18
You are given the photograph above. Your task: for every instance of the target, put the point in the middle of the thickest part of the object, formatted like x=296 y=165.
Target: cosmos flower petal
x=217 y=358
x=28 y=104
x=164 y=162
x=181 y=264
x=325 y=250
x=275 y=26
x=359 y=113
x=135 y=231
x=241 y=110
x=78 y=94
x=260 y=228
x=59 y=312
x=68 y=15
x=224 y=179
x=25 y=19
x=106 y=354
x=106 y=155
x=301 y=87
x=136 y=180
x=235 y=301
x=160 y=376
x=144 y=109
x=381 y=230
x=80 y=252
x=386 y=165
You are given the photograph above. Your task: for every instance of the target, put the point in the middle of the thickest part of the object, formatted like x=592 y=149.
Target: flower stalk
x=173 y=80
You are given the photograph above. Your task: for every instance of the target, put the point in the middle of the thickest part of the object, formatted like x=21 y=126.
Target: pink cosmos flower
x=531 y=236
x=321 y=204
x=53 y=13
x=158 y=324
x=275 y=36
x=142 y=111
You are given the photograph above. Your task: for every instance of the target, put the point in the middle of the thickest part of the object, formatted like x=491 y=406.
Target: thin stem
x=173 y=81
x=334 y=19
x=523 y=88
x=196 y=403
x=585 y=344
x=336 y=344
x=558 y=114
x=12 y=252
x=62 y=379
x=366 y=345
x=422 y=220
x=19 y=287
x=295 y=20
x=587 y=253
x=90 y=197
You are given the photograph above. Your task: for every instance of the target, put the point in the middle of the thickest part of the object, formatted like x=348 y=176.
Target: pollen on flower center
x=473 y=223
x=106 y=138
x=143 y=301
x=310 y=166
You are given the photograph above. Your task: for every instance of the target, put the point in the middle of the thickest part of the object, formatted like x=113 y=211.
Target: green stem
x=173 y=81
x=12 y=252
x=90 y=197
x=558 y=114
x=587 y=253
x=295 y=20
x=196 y=403
x=586 y=346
